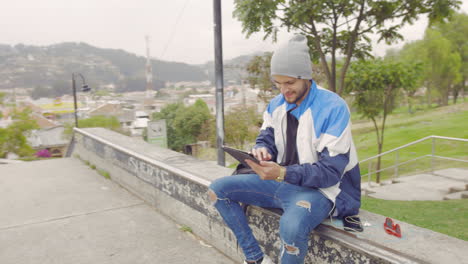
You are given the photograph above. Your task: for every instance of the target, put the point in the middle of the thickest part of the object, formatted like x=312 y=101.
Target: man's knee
x=212 y=195
x=293 y=232
x=291 y=249
x=294 y=224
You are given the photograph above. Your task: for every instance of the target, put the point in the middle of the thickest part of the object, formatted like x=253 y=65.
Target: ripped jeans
x=304 y=209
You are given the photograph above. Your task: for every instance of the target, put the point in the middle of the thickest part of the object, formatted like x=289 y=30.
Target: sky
x=179 y=30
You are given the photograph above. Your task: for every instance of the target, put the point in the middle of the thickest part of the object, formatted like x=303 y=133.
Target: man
x=308 y=167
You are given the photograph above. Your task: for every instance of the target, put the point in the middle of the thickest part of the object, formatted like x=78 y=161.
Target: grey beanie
x=292 y=59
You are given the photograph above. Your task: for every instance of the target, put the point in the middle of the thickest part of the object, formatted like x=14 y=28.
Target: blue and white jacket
x=327 y=156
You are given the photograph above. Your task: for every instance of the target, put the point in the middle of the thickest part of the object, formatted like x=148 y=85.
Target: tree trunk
x=386 y=110
x=377 y=179
x=350 y=49
x=457 y=90
x=410 y=106
x=379 y=149
x=323 y=58
x=428 y=96
x=455 y=95
x=408 y=102
x=380 y=146
x=444 y=97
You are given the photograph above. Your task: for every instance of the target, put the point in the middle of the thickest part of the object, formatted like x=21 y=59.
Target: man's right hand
x=261 y=153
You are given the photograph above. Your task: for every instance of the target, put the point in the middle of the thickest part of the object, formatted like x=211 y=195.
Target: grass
x=403 y=128
x=447 y=217
x=34 y=158
x=185 y=228
x=101 y=172
x=104 y=174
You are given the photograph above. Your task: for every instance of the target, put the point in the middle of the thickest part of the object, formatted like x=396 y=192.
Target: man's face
x=293 y=89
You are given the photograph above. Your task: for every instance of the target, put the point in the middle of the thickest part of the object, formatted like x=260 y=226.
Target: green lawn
x=447 y=217
x=451 y=121
x=403 y=128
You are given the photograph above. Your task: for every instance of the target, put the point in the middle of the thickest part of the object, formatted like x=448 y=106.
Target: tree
x=100 y=93
x=259 y=76
x=110 y=122
x=14 y=137
x=169 y=113
x=208 y=131
x=242 y=126
x=411 y=53
x=188 y=123
x=184 y=124
x=39 y=91
x=456 y=31
x=2 y=96
x=375 y=85
x=443 y=65
x=258 y=69
x=337 y=27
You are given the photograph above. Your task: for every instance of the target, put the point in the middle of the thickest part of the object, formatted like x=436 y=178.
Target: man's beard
x=303 y=94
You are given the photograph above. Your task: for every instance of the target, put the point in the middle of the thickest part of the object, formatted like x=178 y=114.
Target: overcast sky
x=179 y=30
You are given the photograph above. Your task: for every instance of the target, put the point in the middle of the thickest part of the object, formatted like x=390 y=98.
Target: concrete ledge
x=176 y=185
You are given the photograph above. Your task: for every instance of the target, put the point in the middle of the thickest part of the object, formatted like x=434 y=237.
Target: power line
x=174 y=28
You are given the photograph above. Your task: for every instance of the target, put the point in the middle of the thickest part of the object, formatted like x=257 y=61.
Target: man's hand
x=261 y=154
x=267 y=170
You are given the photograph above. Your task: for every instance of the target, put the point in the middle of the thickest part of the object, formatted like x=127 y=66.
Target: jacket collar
x=305 y=103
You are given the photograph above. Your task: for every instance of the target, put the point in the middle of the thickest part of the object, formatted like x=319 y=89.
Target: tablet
x=240 y=155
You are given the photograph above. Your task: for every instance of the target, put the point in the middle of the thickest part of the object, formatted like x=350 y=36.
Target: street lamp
x=85 y=88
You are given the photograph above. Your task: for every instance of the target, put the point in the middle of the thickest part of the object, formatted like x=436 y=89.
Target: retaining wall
x=177 y=184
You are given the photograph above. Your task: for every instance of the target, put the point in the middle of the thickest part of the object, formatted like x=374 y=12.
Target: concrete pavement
x=443 y=184
x=62 y=211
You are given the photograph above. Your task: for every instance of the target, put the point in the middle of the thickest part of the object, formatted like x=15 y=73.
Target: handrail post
x=395 y=175
x=369 y=173
x=432 y=157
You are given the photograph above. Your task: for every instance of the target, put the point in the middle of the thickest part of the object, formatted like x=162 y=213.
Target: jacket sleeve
x=324 y=173
x=333 y=151
x=266 y=138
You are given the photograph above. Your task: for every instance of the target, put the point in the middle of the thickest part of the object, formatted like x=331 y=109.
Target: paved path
x=61 y=211
x=443 y=184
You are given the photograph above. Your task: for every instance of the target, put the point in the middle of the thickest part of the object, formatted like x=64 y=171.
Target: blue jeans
x=304 y=209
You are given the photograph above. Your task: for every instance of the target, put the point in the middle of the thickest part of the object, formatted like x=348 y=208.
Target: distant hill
x=48 y=69
x=234 y=69
x=33 y=66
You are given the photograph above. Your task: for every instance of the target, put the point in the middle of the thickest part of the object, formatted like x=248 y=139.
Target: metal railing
x=398 y=164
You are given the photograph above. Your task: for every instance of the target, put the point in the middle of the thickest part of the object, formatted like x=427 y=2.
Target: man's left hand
x=267 y=170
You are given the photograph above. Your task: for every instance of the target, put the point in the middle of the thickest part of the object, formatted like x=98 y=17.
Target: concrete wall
x=176 y=185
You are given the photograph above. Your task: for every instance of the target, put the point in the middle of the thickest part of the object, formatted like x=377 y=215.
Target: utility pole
x=149 y=71
x=74 y=100
x=218 y=47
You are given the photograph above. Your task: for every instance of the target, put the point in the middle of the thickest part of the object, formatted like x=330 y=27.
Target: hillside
x=33 y=66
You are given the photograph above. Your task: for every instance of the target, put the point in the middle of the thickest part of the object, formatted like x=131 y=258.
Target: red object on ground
x=391 y=228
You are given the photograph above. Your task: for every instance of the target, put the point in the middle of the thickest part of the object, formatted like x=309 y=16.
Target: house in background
x=140 y=123
x=43 y=122
x=51 y=138
x=108 y=109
